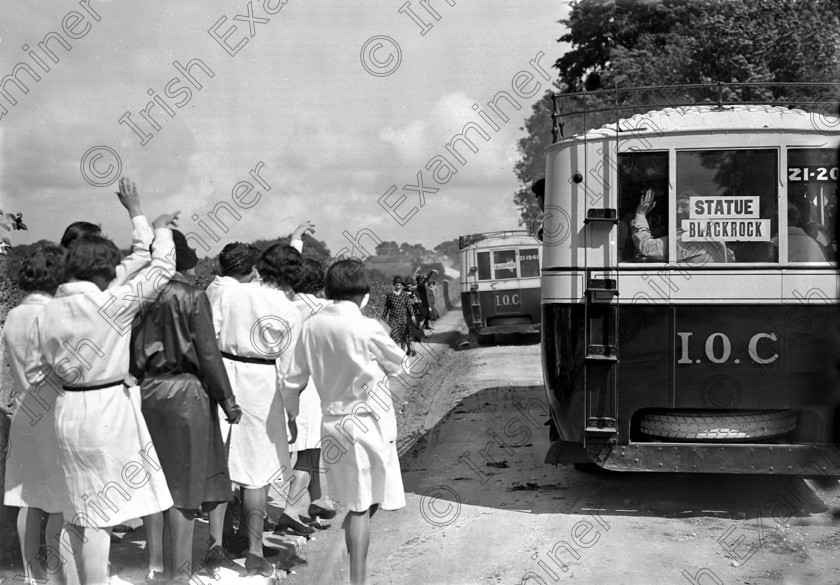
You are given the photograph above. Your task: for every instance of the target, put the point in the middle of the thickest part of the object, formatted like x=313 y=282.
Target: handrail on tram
x=719 y=100
x=470 y=239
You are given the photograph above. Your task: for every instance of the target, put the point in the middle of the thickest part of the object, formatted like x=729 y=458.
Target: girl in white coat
x=347 y=354
x=103 y=442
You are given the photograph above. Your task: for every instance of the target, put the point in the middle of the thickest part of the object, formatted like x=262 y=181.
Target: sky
x=313 y=112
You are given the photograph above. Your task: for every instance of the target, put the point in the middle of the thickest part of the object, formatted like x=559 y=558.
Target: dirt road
x=484 y=508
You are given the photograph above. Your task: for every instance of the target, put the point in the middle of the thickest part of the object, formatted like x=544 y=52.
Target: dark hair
x=280 y=265
x=78 y=230
x=91 y=257
x=312 y=277
x=185 y=257
x=346 y=279
x=43 y=270
x=794 y=215
x=238 y=259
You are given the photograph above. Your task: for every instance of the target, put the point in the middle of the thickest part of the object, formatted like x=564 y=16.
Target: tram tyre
x=718 y=426
x=485 y=338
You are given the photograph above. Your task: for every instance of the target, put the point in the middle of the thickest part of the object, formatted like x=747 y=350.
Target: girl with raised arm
x=108 y=461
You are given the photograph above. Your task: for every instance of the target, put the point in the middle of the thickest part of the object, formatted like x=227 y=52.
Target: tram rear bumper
x=504 y=329
x=801 y=460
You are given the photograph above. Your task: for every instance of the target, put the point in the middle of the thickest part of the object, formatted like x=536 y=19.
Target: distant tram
x=690 y=288
x=500 y=283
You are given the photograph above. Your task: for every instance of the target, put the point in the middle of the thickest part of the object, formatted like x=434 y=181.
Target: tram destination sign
x=725 y=219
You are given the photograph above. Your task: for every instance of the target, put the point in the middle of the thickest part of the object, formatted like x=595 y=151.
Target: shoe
x=299 y=528
x=269 y=524
x=325 y=513
x=215 y=558
x=255 y=565
x=156 y=578
x=235 y=543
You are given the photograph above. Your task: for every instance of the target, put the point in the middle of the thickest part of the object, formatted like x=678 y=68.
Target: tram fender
x=567 y=452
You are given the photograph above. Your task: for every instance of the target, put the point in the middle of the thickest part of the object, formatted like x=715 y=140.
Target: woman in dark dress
x=397 y=313
x=182 y=380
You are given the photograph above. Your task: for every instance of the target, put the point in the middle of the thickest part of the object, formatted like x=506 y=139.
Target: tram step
x=602 y=352
x=602 y=285
x=601 y=215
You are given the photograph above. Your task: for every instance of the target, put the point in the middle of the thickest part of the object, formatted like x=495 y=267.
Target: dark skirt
x=184 y=425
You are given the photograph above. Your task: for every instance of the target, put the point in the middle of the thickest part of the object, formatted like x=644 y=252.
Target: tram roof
x=710 y=118
x=499 y=238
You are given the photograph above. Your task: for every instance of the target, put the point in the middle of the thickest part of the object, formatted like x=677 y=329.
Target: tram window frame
x=797 y=164
x=486 y=263
x=536 y=252
x=763 y=173
x=485 y=266
x=634 y=178
x=515 y=268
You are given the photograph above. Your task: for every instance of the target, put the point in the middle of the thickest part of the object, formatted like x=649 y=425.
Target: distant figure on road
x=397 y=313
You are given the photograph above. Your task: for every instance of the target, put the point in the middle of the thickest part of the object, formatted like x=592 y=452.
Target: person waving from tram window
x=695 y=253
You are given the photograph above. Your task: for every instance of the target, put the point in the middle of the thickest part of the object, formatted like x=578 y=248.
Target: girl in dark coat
x=182 y=380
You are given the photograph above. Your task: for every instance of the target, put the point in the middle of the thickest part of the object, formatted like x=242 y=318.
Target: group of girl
x=130 y=365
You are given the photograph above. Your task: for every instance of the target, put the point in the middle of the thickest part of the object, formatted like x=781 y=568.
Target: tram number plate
x=507 y=301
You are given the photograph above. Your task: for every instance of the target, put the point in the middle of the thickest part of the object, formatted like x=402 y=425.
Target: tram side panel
x=563 y=288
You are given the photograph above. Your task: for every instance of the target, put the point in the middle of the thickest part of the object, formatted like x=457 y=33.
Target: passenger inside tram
x=697 y=253
x=803 y=244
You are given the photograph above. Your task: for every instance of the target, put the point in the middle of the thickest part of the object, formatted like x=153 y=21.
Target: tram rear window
x=484 y=266
x=529 y=262
x=812 y=204
x=727 y=206
x=638 y=174
x=504 y=264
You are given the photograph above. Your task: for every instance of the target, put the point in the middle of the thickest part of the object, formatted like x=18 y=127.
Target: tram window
x=727 y=206
x=812 y=204
x=484 y=266
x=504 y=264
x=639 y=172
x=529 y=262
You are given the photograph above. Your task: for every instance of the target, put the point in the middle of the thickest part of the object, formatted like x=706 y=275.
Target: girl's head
x=347 y=281
x=398 y=283
x=280 y=265
x=237 y=260
x=43 y=270
x=93 y=258
x=312 y=277
x=78 y=230
x=185 y=258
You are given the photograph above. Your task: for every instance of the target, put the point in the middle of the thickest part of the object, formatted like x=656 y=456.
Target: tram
x=689 y=287
x=500 y=283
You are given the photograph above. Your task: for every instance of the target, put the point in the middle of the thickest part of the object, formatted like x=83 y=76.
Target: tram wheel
x=717 y=426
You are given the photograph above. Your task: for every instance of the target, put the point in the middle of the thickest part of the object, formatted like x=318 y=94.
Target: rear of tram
x=690 y=291
x=500 y=283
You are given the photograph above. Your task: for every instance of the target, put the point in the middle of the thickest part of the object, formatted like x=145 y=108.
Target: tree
x=450 y=250
x=634 y=43
x=387 y=248
x=417 y=252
